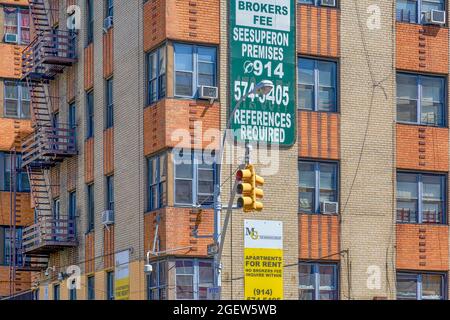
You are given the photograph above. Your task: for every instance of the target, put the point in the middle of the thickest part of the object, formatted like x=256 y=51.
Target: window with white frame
x=421 y=198
x=326 y=3
x=157 y=281
x=414 y=11
x=17 y=100
x=194 y=178
x=156 y=182
x=193 y=278
x=156 y=74
x=17 y=22
x=318 y=281
x=317 y=85
x=318 y=184
x=195 y=66
x=421 y=99
x=421 y=286
x=21 y=182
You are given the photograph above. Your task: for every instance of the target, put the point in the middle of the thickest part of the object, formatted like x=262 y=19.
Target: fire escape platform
x=49 y=235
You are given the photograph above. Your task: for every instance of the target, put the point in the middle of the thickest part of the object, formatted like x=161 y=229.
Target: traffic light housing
x=249 y=189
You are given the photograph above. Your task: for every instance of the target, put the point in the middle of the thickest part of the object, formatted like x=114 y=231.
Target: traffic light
x=249 y=189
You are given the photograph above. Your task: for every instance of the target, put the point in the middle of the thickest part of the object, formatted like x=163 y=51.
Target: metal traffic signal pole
x=262 y=88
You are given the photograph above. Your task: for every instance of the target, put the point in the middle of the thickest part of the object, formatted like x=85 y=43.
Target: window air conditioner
x=327 y=207
x=208 y=93
x=10 y=38
x=435 y=17
x=107 y=217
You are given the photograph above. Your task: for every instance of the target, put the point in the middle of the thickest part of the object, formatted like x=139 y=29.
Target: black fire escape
x=50 y=52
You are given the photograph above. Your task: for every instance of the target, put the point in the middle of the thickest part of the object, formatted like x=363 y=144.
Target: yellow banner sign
x=122 y=289
x=263 y=260
x=263 y=271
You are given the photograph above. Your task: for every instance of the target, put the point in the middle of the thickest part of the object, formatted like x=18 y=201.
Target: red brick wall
x=175 y=230
x=90 y=252
x=422 y=148
x=422 y=247
x=108 y=245
x=154 y=23
x=108 y=53
x=318 y=31
x=12 y=131
x=108 y=151
x=422 y=48
x=89 y=67
x=318 y=237
x=169 y=115
x=318 y=135
x=24 y=212
x=89 y=161
x=191 y=21
x=10 y=63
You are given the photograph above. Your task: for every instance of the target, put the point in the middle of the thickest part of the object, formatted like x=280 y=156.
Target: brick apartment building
x=88 y=175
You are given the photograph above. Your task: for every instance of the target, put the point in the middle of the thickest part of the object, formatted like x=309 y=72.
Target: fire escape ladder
x=40 y=103
x=40 y=190
x=40 y=15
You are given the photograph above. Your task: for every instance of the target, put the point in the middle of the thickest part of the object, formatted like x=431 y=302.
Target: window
x=317 y=90
x=110 y=285
x=90 y=21
x=91 y=288
x=90 y=115
x=57 y=208
x=420 y=99
x=318 y=183
x=421 y=198
x=56 y=295
x=412 y=11
x=156 y=73
x=194 y=179
x=313 y=2
x=21 y=181
x=6 y=246
x=157 y=281
x=73 y=292
x=109 y=104
x=17 y=22
x=157 y=182
x=110 y=193
x=318 y=281
x=422 y=286
x=72 y=205
x=193 y=278
x=17 y=100
x=72 y=115
x=90 y=205
x=195 y=66
x=109 y=8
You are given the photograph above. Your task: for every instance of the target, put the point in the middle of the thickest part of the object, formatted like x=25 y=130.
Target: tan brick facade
x=361 y=137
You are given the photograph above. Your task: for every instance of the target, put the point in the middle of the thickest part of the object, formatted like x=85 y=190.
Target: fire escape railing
x=49 y=234
x=48 y=144
x=47 y=55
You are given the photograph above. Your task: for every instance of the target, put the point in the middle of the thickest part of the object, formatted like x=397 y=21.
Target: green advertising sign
x=262 y=47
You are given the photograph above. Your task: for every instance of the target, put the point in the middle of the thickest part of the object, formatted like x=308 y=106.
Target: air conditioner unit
x=108 y=23
x=10 y=38
x=435 y=17
x=328 y=3
x=327 y=207
x=108 y=217
x=208 y=93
